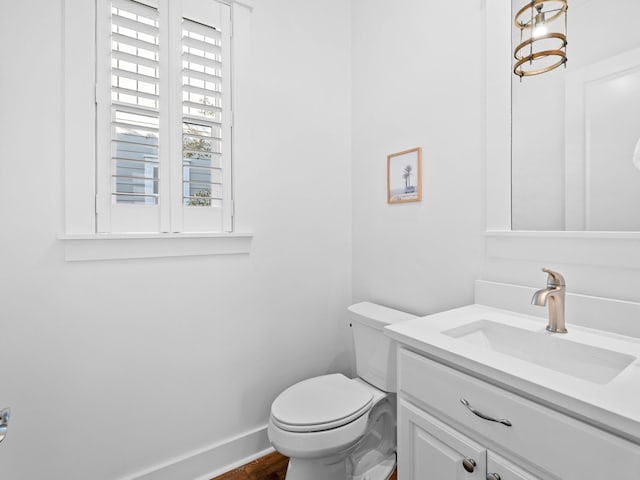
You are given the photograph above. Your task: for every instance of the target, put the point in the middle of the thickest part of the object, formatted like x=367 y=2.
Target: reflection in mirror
x=576 y=130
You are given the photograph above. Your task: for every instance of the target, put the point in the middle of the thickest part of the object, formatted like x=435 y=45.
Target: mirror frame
x=610 y=249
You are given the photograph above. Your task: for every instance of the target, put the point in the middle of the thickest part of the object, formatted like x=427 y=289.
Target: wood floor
x=269 y=467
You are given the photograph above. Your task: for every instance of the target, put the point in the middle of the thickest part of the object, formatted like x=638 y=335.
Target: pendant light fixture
x=542 y=46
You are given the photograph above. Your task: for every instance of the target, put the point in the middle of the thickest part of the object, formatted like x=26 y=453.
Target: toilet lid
x=321 y=403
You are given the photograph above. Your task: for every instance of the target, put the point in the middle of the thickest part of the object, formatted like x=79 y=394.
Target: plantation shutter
x=202 y=114
x=135 y=103
x=206 y=115
x=164 y=130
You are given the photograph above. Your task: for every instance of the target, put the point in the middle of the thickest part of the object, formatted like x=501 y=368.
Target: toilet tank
x=375 y=352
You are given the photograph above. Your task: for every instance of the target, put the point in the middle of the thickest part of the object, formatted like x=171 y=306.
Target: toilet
x=335 y=428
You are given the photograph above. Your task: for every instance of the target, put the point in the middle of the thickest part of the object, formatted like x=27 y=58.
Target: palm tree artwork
x=404 y=171
x=406 y=174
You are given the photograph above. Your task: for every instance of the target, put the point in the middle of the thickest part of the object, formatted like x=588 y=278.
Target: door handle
x=5 y=415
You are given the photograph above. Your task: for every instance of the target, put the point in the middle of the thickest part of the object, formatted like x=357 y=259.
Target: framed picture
x=404 y=176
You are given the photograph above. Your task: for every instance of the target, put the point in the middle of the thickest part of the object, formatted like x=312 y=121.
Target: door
x=430 y=450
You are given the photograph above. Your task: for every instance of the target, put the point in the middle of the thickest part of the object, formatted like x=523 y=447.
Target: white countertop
x=613 y=406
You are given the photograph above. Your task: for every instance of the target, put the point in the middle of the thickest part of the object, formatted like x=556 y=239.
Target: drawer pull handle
x=493 y=476
x=469 y=464
x=482 y=415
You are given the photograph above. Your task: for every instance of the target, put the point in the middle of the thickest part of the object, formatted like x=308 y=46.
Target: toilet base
x=301 y=469
x=381 y=471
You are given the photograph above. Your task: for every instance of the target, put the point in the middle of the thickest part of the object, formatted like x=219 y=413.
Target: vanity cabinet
x=439 y=436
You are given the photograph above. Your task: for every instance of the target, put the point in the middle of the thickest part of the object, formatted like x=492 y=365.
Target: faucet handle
x=554 y=279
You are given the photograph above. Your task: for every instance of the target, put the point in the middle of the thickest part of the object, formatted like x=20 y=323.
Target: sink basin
x=593 y=364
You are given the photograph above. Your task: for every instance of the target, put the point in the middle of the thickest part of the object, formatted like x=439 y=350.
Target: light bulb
x=540 y=30
x=539 y=27
x=636 y=156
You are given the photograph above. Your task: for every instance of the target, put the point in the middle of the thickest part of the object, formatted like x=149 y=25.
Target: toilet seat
x=321 y=403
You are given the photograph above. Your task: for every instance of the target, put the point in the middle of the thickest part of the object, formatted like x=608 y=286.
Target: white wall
x=418 y=80
x=115 y=367
x=597 y=266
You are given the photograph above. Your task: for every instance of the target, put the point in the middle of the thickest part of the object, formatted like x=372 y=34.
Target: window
x=163 y=121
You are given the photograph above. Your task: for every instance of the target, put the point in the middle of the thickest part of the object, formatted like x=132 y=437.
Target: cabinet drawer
x=554 y=443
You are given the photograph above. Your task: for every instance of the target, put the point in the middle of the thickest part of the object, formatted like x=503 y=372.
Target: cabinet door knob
x=493 y=476
x=469 y=464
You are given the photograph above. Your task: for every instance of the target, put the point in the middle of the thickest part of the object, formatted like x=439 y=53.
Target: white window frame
x=78 y=225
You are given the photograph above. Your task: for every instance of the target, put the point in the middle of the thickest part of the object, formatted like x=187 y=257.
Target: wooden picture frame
x=402 y=168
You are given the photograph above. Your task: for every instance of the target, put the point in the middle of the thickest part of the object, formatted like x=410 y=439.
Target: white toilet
x=336 y=428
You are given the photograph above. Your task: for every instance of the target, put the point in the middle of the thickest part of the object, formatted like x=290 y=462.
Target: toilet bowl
x=335 y=428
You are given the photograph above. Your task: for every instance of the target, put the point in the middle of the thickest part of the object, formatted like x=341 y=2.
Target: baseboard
x=212 y=461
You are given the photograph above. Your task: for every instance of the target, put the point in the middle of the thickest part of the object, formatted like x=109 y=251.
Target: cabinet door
x=430 y=450
x=502 y=469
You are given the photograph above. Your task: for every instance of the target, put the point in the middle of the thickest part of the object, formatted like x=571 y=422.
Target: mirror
x=575 y=130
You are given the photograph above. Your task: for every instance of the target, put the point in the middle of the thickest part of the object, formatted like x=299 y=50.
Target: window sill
x=79 y=248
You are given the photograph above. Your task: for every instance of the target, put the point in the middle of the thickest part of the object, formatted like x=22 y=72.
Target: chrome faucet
x=554 y=296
